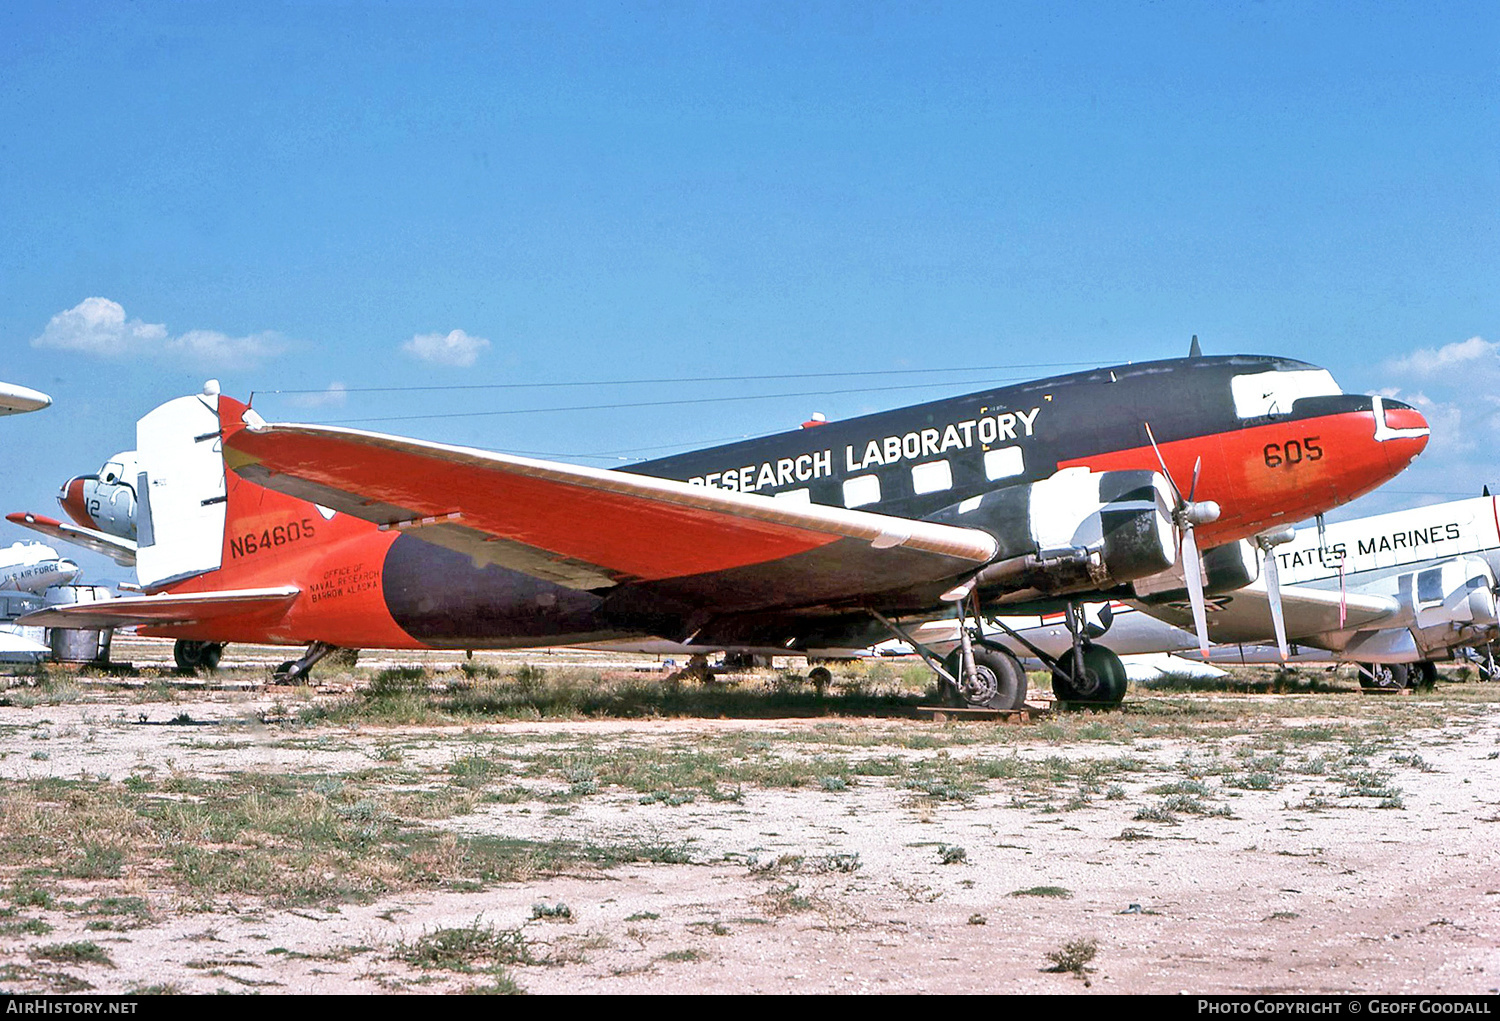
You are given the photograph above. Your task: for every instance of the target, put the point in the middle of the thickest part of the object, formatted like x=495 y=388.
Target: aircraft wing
x=163 y=610
x=121 y=551
x=1244 y=615
x=588 y=528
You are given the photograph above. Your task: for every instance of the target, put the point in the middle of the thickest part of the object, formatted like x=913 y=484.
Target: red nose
x=73 y=501
x=1404 y=434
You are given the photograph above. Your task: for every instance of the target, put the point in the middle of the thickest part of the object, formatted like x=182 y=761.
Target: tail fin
x=195 y=517
x=180 y=497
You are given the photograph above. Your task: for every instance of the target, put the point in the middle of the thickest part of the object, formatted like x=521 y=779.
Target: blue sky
x=345 y=195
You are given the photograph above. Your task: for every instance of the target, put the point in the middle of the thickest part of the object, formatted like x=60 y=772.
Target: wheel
x=190 y=655
x=821 y=678
x=999 y=681
x=185 y=654
x=1424 y=676
x=1103 y=683
x=281 y=673
x=1383 y=676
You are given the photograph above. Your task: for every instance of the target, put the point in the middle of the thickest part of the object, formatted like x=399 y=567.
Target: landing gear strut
x=1087 y=675
x=190 y=655
x=978 y=674
x=294 y=671
x=1383 y=676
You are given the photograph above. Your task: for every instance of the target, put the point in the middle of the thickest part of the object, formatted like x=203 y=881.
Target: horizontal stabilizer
x=162 y=610
x=121 y=551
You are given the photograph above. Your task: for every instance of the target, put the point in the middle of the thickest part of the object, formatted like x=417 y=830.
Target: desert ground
x=551 y=823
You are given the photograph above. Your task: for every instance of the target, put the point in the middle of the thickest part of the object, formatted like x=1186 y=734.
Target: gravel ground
x=1197 y=842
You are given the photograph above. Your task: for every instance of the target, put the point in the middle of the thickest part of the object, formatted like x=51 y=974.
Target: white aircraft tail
x=180 y=490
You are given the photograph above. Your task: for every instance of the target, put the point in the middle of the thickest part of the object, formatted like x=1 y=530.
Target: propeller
x=1186 y=514
x=1268 y=541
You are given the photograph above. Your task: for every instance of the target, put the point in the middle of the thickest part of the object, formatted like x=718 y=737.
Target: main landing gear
x=983 y=674
x=1396 y=676
x=294 y=671
x=190 y=655
x=979 y=674
x=1087 y=676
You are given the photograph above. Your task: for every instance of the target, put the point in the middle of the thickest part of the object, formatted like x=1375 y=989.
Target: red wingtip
x=26 y=518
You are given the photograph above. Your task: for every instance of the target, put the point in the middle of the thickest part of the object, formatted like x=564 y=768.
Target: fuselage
x=1277 y=441
x=1272 y=440
x=33 y=567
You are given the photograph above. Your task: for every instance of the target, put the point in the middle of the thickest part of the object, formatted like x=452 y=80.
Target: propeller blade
x=1176 y=493
x=1193 y=489
x=1273 y=589
x=1192 y=568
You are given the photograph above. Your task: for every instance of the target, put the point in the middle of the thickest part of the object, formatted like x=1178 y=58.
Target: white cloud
x=99 y=327
x=1460 y=356
x=213 y=347
x=455 y=348
x=333 y=397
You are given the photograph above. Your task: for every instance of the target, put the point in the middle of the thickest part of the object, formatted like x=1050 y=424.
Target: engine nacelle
x=1074 y=531
x=1225 y=569
x=106 y=501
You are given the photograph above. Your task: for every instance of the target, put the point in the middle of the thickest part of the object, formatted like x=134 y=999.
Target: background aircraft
x=816 y=538
x=34 y=568
x=1392 y=592
x=27 y=570
x=103 y=509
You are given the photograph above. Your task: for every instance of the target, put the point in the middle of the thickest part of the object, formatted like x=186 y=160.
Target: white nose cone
x=211 y=388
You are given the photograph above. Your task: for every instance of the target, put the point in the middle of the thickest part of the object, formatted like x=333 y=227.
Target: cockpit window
x=1258 y=394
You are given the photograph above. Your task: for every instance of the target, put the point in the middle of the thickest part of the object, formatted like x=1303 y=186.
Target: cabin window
x=862 y=490
x=932 y=477
x=1257 y=394
x=803 y=495
x=1004 y=463
x=1430 y=586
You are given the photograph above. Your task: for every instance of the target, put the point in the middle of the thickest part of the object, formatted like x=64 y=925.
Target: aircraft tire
x=1001 y=683
x=1425 y=676
x=1104 y=682
x=190 y=655
x=821 y=677
x=1383 y=676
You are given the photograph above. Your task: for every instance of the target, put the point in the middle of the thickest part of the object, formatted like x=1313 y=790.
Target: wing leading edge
x=121 y=551
x=577 y=526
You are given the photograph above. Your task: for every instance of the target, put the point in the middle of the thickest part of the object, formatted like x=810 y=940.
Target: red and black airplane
x=821 y=537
